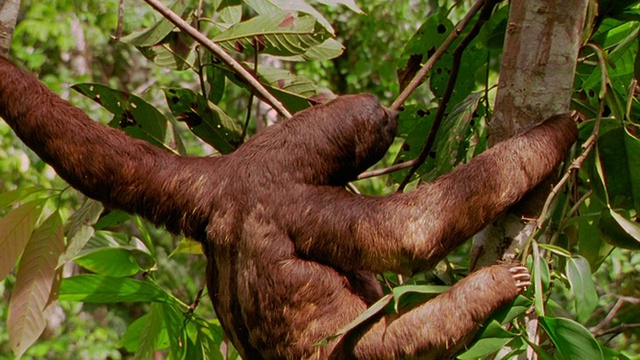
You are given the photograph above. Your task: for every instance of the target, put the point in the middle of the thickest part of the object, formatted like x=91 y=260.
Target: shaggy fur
x=291 y=254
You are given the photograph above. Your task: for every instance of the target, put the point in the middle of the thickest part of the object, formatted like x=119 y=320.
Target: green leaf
x=115 y=254
x=217 y=83
x=106 y=289
x=188 y=246
x=209 y=335
x=15 y=232
x=174 y=52
x=133 y=115
x=582 y=287
x=425 y=41
x=150 y=334
x=571 y=339
x=591 y=243
x=164 y=46
x=351 y=4
x=541 y=278
x=415 y=124
x=35 y=281
x=293 y=90
x=409 y=295
x=110 y=262
x=555 y=249
x=373 y=310
x=273 y=6
x=204 y=118
x=327 y=50
x=79 y=229
x=155 y=33
x=111 y=219
x=230 y=11
x=174 y=323
x=492 y=339
x=280 y=34
x=455 y=129
x=619 y=231
x=131 y=338
x=16 y=195
x=618 y=154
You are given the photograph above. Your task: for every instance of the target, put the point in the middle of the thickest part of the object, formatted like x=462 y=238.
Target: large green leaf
x=451 y=142
x=132 y=337
x=106 y=289
x=110 y=262
x=205 y=119
x=422 y=45
x=584 y=292
x=618 y=230
x=616 y=168
x=493 y=338
x=293 y=90
x=115 y=254
x=151 y=333
x=264 y=7
x=133 y=115
x=282 y=33
x=571 y=339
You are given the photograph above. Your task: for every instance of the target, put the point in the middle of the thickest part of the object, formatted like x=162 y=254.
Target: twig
x=120 y=20
x=487 y=9
x=251 y=95
x=220 y=53
x=387 y=170
x=607 y=319
x=575 y=165
x=442 y=49
x=618 y=329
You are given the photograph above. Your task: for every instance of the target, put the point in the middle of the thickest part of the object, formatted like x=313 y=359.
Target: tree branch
x=487 y=9
x=220 y=53
x=417 y=79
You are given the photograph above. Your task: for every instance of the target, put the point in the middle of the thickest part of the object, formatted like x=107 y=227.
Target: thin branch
x=586 y=147
x=251 y=95
x=575 y=166
x=617 y=329
x=487 y=9
x=607 y=319
x=387 y=170
x=118 y=35
x=453 y=35
x=220 y=53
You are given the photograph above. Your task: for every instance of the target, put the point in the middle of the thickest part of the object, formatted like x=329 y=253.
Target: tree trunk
x=536 y=81
x=542 y=42
x=8 y=18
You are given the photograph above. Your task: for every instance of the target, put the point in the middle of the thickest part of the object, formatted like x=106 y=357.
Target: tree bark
x=536 y=81
x=8 y=17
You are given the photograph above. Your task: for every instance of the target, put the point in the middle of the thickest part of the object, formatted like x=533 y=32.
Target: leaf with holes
x=205 y=119
x=133 y=115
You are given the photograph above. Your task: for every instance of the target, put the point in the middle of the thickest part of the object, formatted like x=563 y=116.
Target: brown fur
x=291 y=254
